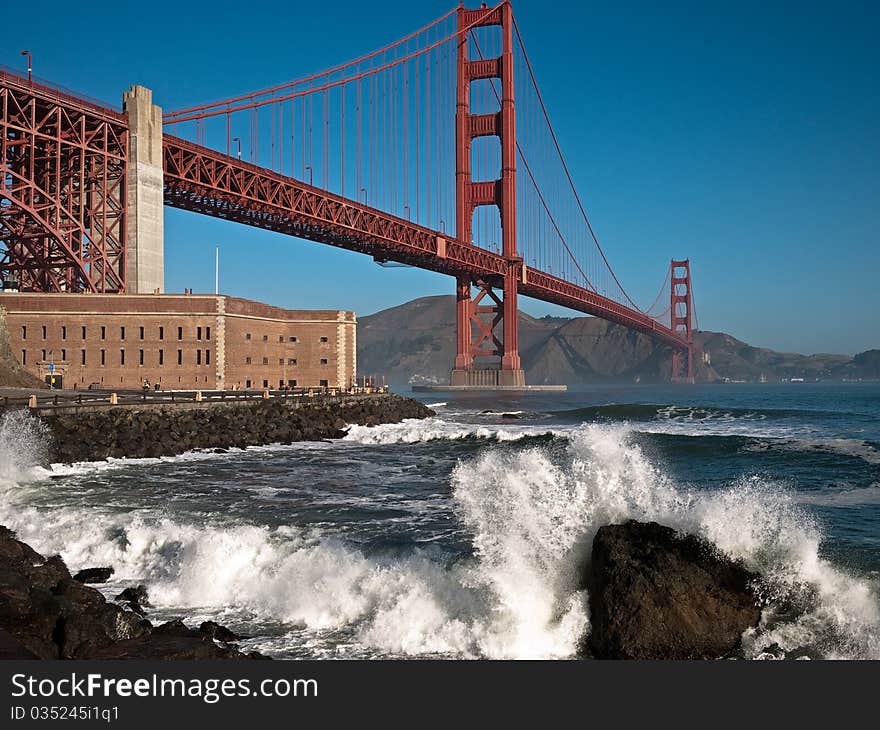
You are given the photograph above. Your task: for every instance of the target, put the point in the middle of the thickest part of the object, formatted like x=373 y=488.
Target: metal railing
x=104 y=398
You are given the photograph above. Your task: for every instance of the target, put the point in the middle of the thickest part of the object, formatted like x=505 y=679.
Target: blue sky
x=744 y=136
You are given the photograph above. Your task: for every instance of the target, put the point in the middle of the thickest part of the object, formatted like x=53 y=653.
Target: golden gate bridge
x=436 y=151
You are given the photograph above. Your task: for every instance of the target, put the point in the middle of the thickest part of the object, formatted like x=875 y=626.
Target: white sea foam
x=857 y=448
x=532 y=515
x=412 y=430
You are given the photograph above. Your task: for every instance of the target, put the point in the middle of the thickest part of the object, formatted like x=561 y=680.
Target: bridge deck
x=205 y=181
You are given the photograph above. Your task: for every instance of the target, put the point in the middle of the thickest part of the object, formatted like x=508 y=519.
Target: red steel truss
x=681 y=311
x=62 y=190
x=63 y=164
x=500 y=193
x=205 y=181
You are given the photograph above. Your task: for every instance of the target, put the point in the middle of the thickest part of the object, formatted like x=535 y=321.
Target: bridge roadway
x=206 y=181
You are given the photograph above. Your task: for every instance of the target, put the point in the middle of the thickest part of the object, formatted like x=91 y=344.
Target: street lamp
x=406 y=208
x=30 y=64
x=309 y=168
x=237 y=140
x=364 y=191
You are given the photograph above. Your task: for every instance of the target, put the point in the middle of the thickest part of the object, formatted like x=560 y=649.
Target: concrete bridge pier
x=145 y=234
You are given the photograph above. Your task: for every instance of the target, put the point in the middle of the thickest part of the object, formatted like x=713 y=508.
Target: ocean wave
x=831 y=497
x=412 y=430
x=532 y=513
x=649 y=411
x=855 y=448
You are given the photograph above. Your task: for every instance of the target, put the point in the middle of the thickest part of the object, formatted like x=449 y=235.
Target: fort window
x=292 y=361
x=141 y=332
x=198 y=356
x=161 y=333
x=323 y=361
x=207 y=357
x=247 y=361
x=281 y=339
x=24 y=333
x=63 y=333
x=103 y=358
x=122 y=333
x=64 y=356
x=24 y=357
x=140 y=357
x=82 y=357
x=265 y=361
x=122 y=357
x=43 y=355
x=291 y=383
x=281 y=361
x=280 y=383
x=325 y=339
x=207 y=333
x=247 y=383
x=323 y=383
x=43 y=328
x=198 y=333
x=180 y=333
x=247 y=336
x=293 y=339
x=180 y=357
x=265 y=338
x=161 y=357
x=103 y=333
x=83 y=332
x=265 y=383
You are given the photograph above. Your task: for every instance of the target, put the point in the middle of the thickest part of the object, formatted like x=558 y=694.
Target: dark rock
x=215 y=631
x=88 y=622
x=658 y=594
x=170 y=647
x=46 y=614
x=176 y=627
x=134 y=594
x=12 y=648
x=511 y=415
x=94 y=575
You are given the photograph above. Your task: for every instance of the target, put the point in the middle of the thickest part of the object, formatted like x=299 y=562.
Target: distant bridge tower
x=485 y=342
x=681 y=311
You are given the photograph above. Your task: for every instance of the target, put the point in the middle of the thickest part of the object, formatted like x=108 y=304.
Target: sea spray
x=24 y=445
x=530 y=514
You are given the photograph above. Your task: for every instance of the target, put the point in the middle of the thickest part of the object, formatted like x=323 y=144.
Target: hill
x=415 y=343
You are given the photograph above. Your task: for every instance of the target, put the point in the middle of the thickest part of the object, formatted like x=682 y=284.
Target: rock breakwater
x=91 y=434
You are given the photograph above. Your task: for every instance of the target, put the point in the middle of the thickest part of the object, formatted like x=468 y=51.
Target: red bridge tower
x=681 y=311
x=477 y=323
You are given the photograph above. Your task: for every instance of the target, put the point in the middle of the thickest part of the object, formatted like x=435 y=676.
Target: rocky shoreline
x=45 y=613
x=654 y=594
x=93 y=434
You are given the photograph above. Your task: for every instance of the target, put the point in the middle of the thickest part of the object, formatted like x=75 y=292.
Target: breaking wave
x=412 y=430
x=530 y=514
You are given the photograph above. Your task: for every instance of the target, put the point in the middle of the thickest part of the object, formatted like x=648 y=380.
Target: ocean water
x=460 y=536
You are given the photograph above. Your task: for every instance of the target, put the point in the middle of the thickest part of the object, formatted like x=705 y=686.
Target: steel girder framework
x=681 y=307
x=209 y=182
x=62 y=190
